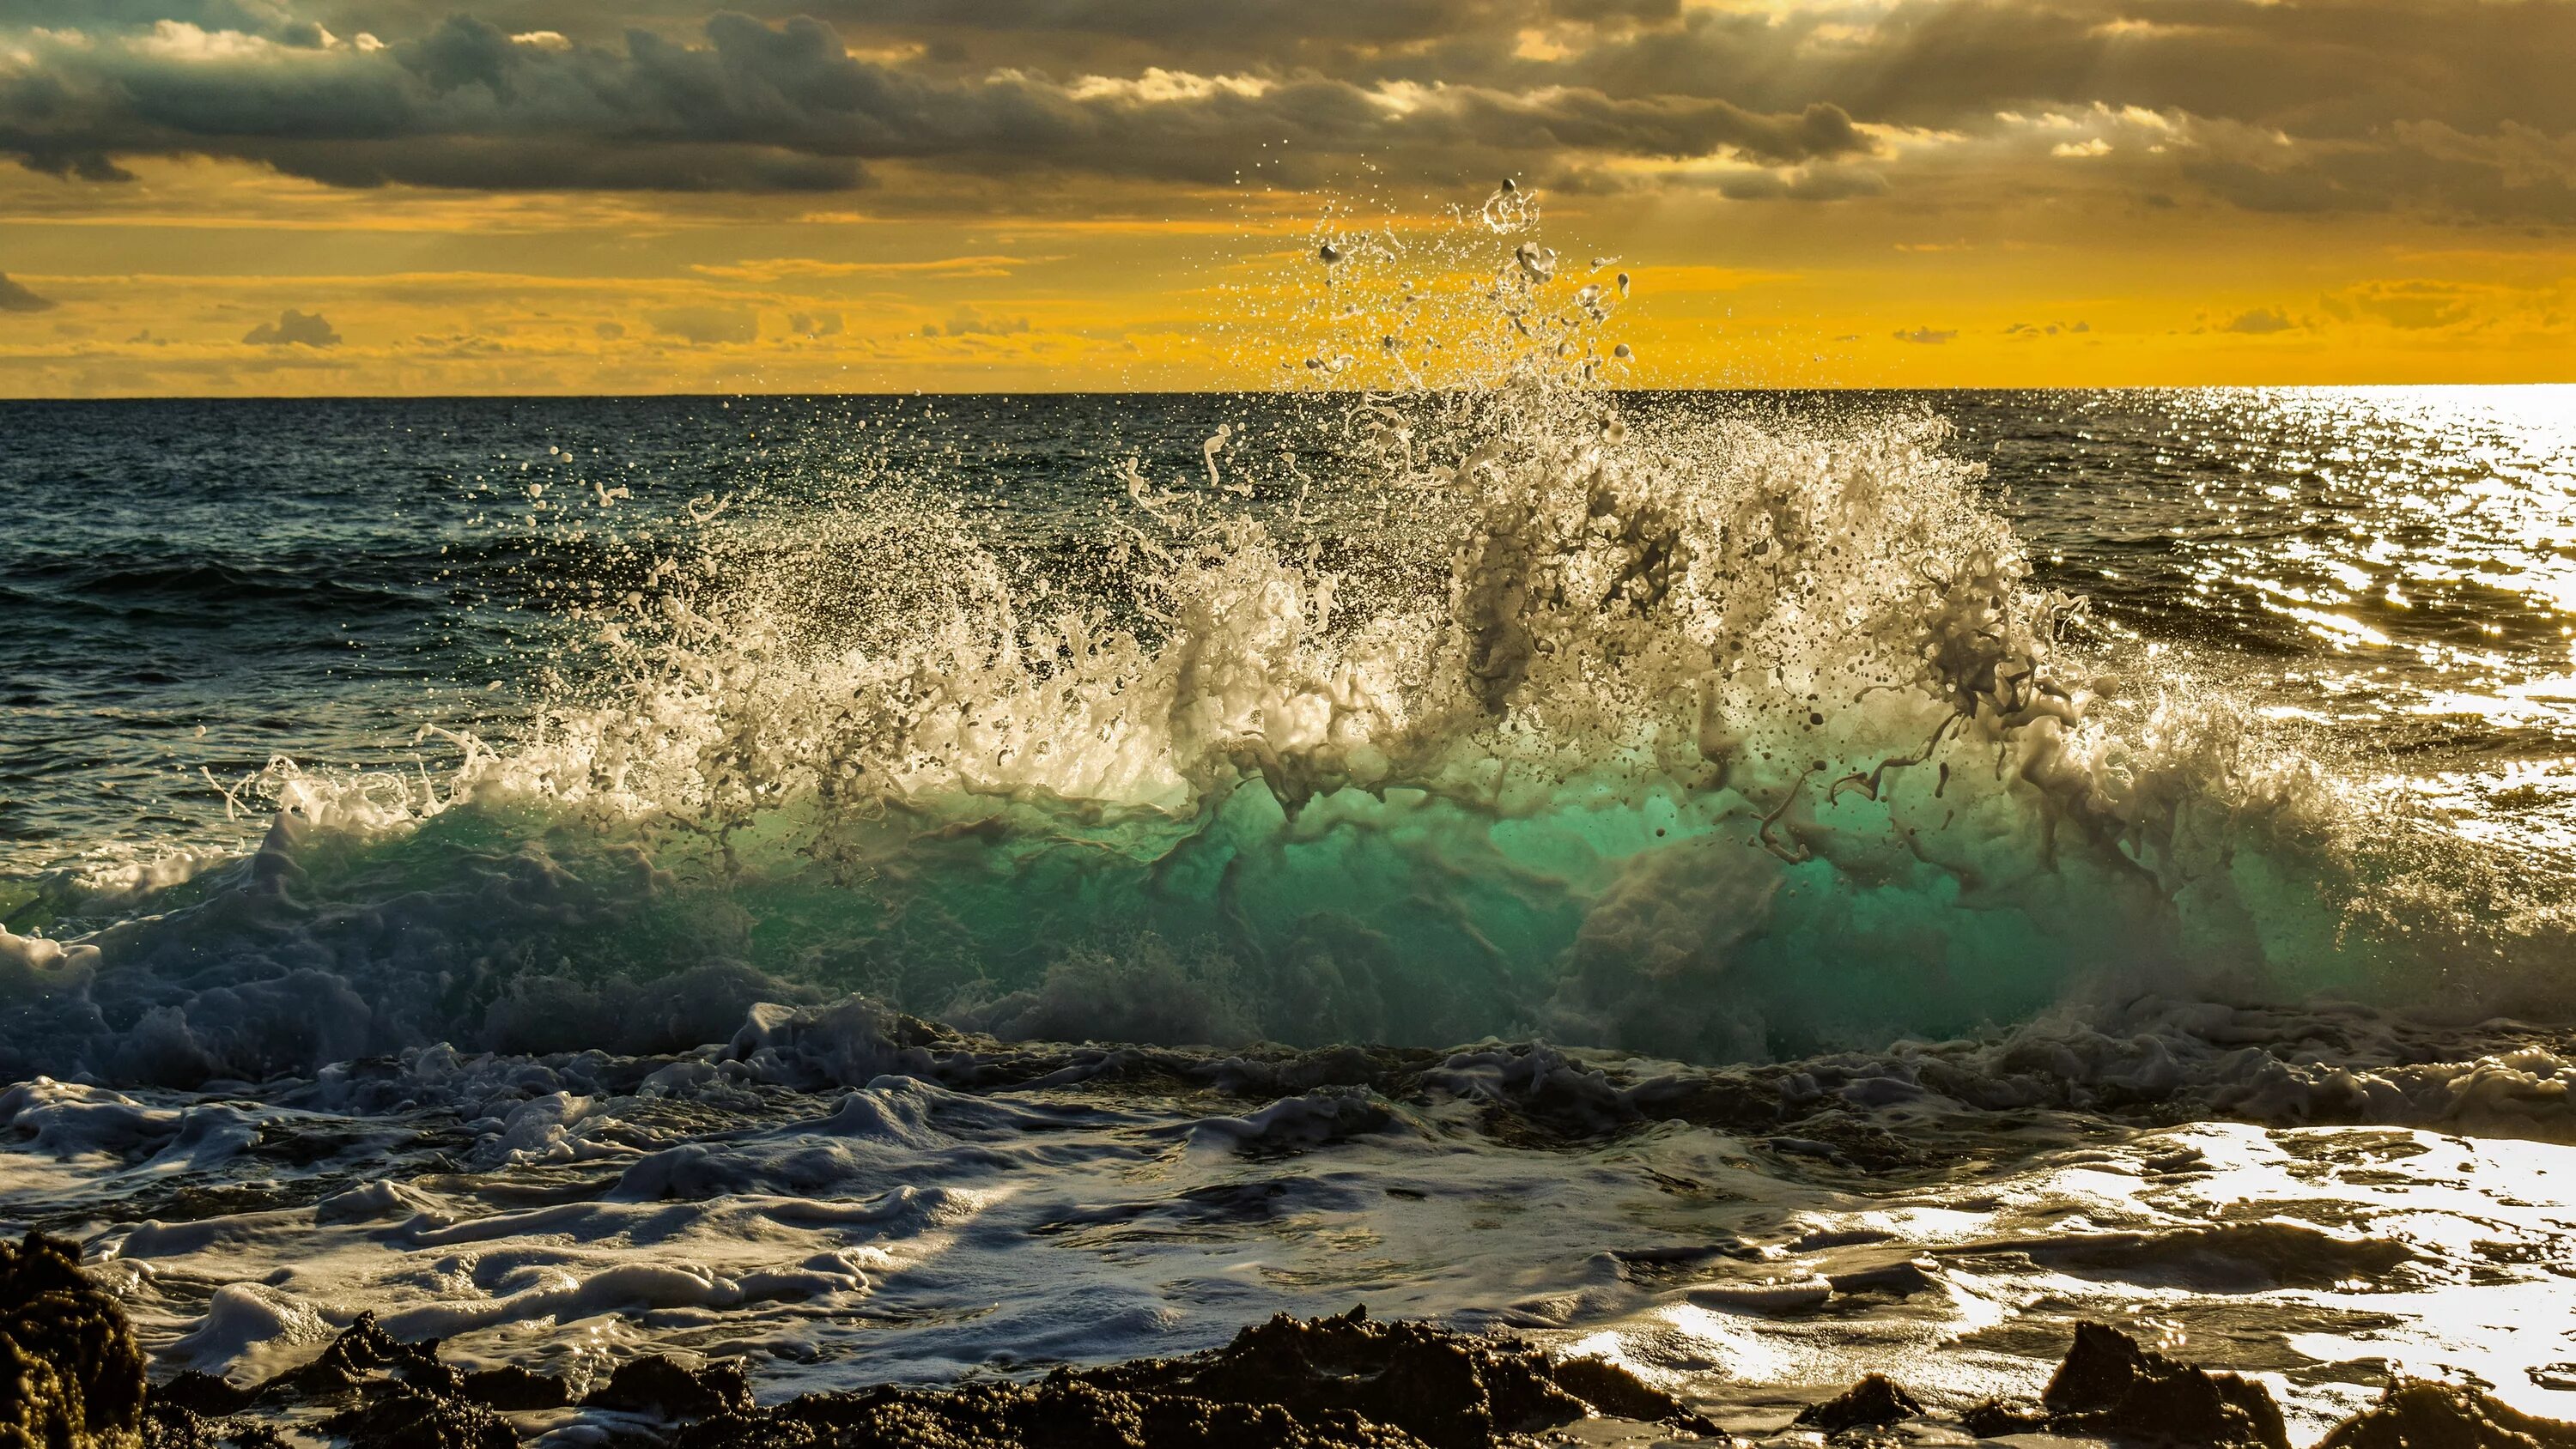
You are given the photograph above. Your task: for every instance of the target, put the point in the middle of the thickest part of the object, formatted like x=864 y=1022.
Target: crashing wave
x=1687 y=735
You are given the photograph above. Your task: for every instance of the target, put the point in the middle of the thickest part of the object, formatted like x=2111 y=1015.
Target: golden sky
x=518 y=196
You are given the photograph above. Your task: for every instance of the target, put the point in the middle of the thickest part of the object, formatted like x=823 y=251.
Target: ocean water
x=1763 y=886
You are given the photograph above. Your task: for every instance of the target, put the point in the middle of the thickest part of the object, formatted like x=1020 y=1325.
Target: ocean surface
x=1763 y=886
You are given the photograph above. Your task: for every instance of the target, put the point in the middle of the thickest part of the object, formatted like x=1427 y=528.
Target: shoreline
x=1344 y=1382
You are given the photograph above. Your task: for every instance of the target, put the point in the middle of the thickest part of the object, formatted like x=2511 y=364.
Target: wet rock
x=1059 y=1412
x=168 y=1426
x=361 y=1353
x=2417 y=1415
x=398 y=1416
x=398 y=1396
x=70 y=1375
x=669 y=1389
x=512 y=1389
x=1872 y=1403
x=1994 y=1419
x=201 y=1393
x=2110 y=1387
x=1613 y=1390
x=1446 y=1390
x=1326 y=1383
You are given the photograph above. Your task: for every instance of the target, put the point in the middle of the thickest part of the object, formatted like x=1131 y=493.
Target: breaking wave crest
x=1476 y=703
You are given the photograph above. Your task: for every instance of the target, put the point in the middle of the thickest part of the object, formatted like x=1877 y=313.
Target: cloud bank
x=2280 y=106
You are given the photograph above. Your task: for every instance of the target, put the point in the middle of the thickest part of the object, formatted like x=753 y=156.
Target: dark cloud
x=2290 y=106
x=815 y=324
x=751 y=106
x=16 y=298
x=294 y=329
x=1927 y=336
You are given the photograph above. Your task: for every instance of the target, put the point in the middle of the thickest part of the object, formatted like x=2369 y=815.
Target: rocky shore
x=75 y=1380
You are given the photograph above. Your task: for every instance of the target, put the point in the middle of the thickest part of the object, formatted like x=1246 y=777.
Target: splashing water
x=1531 y=714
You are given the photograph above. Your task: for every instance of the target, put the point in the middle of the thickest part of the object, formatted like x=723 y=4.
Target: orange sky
x=1944 y=193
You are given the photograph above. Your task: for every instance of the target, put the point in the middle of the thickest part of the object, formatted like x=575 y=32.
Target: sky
x=379 y=197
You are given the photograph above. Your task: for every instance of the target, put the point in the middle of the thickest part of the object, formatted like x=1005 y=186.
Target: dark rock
x=669 y=1389
x=1994 y=1418
x=1327 y=1383
x=2110 y=1387
x=200 y=1393
x=1612 y=1390
x=363 y=1352
x=70 y=1375
x=169 y=1426
x=1449 y=1391
x=1874 y=1401
x=398 y=1416
x=1058 y=1412
x=2417 y=1415
x=511 y=1388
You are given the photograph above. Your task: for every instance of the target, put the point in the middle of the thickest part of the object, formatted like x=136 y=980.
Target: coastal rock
x=2418 y=1415
x=1872 y=1403
x=70 y=1375
x=2109 y=1386
x=668 y=1389
x=1325 y=1383
x=361 y=1353
x=398 y=1416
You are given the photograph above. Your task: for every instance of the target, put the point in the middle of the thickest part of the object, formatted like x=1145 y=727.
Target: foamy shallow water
x=836 y=1206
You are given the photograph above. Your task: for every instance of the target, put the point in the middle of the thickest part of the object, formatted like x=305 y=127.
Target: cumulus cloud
x=1927 y=336
x=16 y=298
x=294 y=329
x=815 y=324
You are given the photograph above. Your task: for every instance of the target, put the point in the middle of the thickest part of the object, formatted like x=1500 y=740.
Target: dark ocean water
x=893 y=887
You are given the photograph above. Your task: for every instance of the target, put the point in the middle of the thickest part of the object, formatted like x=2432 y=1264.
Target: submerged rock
x=70 y=1375
x=2417 y=1415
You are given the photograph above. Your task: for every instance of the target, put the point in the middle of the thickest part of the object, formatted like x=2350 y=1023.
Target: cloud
x=970 y=323
x=704 y=326
x=778 y=269
x=2260 y=322
x=815 y=324
x=1927 y=336
x=2414 y=306
x=293 y=329
x=2325 y=107
x=753 y=107
x=15 y=298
